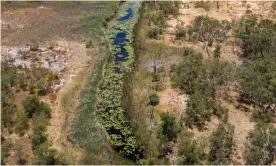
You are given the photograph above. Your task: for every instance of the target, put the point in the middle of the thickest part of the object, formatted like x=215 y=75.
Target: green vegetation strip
x=111 y=91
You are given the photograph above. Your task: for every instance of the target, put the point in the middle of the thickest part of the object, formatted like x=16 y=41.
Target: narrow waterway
x=119 y=34
x=121 y=38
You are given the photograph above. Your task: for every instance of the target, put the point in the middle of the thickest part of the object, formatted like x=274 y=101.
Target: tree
x=38 y=136
x=153 y=101
x=258 y=83
x=22 y=123
x=169 y=129
x=197 y=111
x=221 y=145
x=218 y=74
x=31 y=105
x=46 y=156
x=257 y=37
x=189 y=75
x=206 y=76
x=191 y=151
x=261 y=150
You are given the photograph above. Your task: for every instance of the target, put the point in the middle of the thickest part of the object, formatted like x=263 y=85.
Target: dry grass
x=36 y=23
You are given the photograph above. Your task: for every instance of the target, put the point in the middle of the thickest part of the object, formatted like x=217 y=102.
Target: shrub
x=261 y=151
x=168 y=129
x=197 y=111
x=22 y=123
x=38 y=136
x=262 y=117
x=180 y=33
x=88 y=44
x=199 y=4
x=31 y=105
x=46 y=156
x=191 y=151
x=4 y=154
x=154 y=33
x=222 y=145
x=217 y=51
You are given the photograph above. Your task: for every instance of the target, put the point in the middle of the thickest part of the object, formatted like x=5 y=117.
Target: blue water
x=127 y=16
x=120 y=40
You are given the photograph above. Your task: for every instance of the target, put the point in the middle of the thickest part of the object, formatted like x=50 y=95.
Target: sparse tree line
x=206 y=79
x=202 y=79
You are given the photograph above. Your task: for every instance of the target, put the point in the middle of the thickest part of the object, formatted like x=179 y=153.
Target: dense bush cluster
x=261 y=149
x=257 y=37
x=202 y=79
x=257 y=75
x=222 y=144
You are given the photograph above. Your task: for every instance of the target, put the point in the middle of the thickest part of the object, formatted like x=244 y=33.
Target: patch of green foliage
x=94 y=23
x=154 y=33
x=257 y=37
x=258 y=82
x=5 y=149
x=33 y=106
x=202 y=79
x=217 y=51
x=168 y=129
x=42 y=154
x=261 y=150
x=88 y=44
x=86 y=130
x=191 y=151
x=22 y=124
x=261 y=117
x=273 y=6
x=222 y=144
x=195 y=74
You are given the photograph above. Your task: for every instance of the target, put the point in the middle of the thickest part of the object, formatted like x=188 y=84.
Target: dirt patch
x=173 y=101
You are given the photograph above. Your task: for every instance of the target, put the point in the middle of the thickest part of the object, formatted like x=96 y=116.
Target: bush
x=46 y=156
x=169 y=129
x=180 y=33
x=88 y=44
x=38 y=136
x=222 y=145
x=197 y=111
x=31 y=105
x=261 y=149
x=191 y=151
x=4 y=154
x=217 y=51
x=199 y=4
x=262 y=117
x=22 y=123
x=154 y=33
